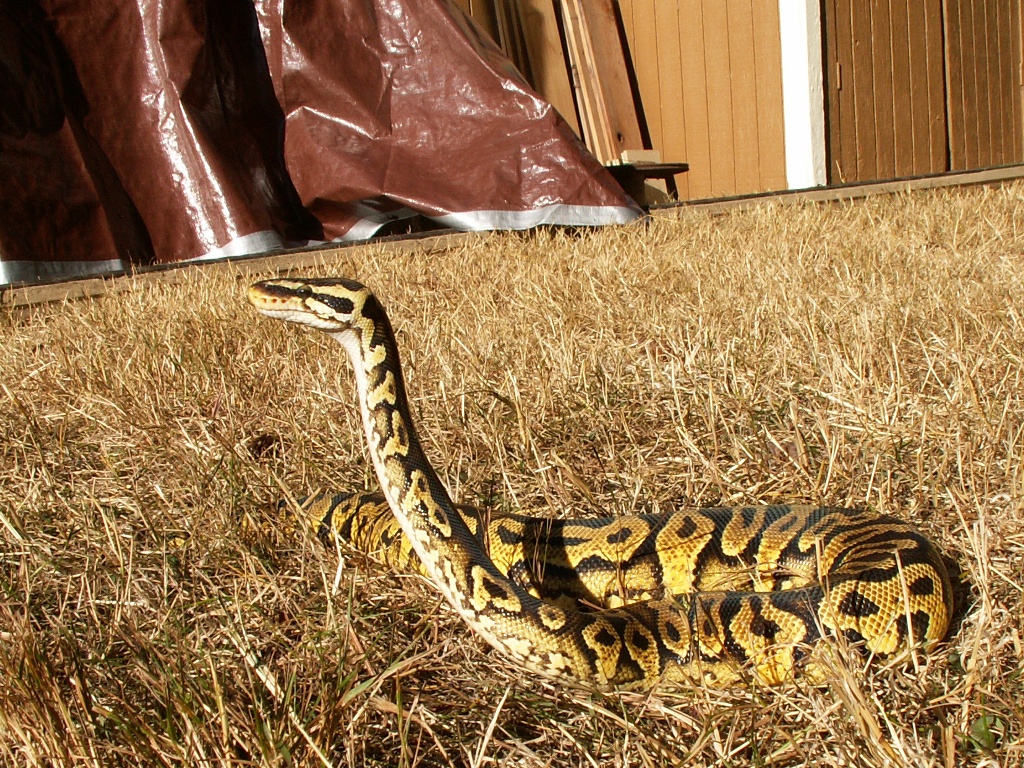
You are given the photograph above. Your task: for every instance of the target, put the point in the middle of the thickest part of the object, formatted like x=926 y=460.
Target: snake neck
x=391 y=437
x=437 y=533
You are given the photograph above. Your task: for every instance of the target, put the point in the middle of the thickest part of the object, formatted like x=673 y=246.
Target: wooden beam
x=984 y=177
x=589 y=99
x=601 y=79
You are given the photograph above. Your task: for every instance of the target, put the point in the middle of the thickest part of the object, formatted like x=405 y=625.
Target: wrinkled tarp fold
x=134 y=133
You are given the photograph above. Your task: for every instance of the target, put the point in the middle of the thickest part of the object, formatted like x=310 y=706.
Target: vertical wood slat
x=1006 y=75
x=739 y=20
x=834 y=112
x=692 y=42
x=844 y=132
x=907 y=144
x=977 y=90
x=954 y=86
x=968 y=84
x=998 y=85
x=883 y=91
x=613 y=74
x=938 y=132
x=640 y=16
x=927 y=86
x=718 y=81
x=1005 y=68
x=847 y=82
x=1016 y=81
x=768 y=71
x=863 y=83
x=605 y=98
x=1011 y=48
x=670 y=130
x=756 y=87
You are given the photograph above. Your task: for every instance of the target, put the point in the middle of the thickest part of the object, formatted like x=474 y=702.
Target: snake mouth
x=267 y=297
x=289 y=301
x=325 y=304
x=269 y=294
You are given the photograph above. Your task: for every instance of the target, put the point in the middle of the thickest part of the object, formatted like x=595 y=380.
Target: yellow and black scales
x=711 y=595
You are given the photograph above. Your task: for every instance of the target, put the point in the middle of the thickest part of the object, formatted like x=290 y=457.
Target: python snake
x=710 y=595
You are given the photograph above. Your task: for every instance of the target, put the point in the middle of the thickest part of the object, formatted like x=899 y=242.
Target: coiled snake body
x=710 y=595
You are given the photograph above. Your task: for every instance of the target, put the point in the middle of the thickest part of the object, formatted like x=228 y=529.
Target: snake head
x=327 y=304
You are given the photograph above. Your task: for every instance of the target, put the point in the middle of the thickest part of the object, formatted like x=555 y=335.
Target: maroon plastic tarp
x=137 y=132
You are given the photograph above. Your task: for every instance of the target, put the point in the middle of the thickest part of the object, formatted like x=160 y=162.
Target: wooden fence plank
x=639 y=20
x=1017 y=81
x=910 y=86
x=719 y=98
x=833 y=19
x=675 y=123
x=985 y=79
x=768 y=76
x=846 y=82
x=692 y=42
x=743 y=96
x=1009 y=82
x=882 y=89
x=954 y=84
x=906 y=104
x=970 y=77
x=863 y=84
x=604 y=95
x=938 y=133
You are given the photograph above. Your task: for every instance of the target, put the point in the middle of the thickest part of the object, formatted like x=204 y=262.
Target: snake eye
x=303 y=292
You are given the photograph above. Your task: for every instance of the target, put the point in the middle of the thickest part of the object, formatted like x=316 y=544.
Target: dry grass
x=155 y=611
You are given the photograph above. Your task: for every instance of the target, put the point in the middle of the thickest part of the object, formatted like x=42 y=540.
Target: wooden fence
x=911 y=87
